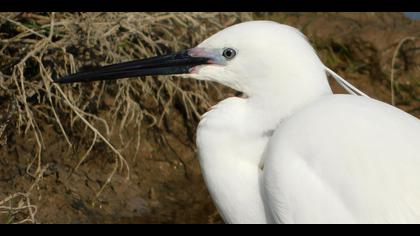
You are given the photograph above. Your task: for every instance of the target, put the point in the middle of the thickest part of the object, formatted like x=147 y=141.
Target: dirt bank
x=150 y=122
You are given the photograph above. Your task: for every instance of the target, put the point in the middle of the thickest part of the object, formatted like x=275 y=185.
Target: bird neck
x=229 y=151
x=231 y=140
x=275 y=104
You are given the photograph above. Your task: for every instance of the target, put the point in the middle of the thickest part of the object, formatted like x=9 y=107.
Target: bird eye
x=229 y=53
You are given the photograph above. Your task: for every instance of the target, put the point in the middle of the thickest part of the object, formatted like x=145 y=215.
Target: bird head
x=255 y=57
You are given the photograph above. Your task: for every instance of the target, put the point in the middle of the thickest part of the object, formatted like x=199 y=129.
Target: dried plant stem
x=394 y=58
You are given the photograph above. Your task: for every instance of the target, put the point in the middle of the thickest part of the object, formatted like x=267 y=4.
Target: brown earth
x=165 y=184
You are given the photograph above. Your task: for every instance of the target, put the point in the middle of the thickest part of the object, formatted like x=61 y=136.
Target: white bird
x=291 y=151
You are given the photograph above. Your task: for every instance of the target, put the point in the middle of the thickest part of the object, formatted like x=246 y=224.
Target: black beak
x=171 y=64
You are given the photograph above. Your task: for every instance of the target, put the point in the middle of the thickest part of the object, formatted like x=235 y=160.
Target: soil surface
x=165 y=184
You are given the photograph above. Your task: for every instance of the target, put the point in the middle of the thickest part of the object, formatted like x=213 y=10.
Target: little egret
x=291 y=151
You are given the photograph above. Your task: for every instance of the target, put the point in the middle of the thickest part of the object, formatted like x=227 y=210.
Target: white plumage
x=344 y=159
x=292 y=152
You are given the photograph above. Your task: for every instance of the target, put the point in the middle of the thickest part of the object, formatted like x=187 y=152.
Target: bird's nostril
x=239 y=94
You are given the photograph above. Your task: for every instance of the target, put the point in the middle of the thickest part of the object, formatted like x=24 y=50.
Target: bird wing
x=344 y=159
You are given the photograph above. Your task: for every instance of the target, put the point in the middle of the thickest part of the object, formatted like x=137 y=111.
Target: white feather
x=331 y=159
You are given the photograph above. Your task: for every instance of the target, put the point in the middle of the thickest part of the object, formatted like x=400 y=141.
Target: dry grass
x=36 y=47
